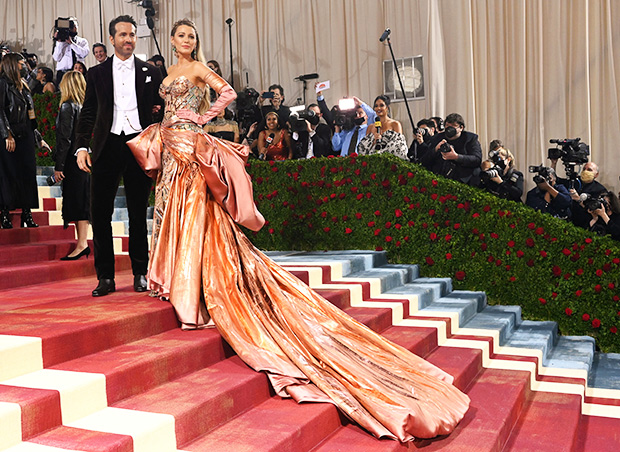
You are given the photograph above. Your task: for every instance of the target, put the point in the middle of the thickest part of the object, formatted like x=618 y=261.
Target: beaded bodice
x=181 y=94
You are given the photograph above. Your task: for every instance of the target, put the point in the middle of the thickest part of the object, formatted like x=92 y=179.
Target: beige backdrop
x=523 y=71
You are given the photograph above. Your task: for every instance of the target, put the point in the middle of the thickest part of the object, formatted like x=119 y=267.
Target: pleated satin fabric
x=312 y=351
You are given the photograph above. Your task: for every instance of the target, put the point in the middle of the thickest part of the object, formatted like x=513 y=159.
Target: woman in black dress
x=75 y=183
x=18 y=138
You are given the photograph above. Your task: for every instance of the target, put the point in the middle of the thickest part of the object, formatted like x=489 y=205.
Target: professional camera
x=345 y=119
x=592 y=203
x=422 y=130
x=64 y=28
x=543 y=173
x=570 y=150
x=489 y=174
x=247 y=112
x=298 y=120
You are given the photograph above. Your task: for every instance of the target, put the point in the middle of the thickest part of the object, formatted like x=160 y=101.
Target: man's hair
x=276 y=86
x=426 y=122
x=156 y=58
x=99 y=44
x=119 y=19
x=311 y=105
x=455 y=118
x=495 y=144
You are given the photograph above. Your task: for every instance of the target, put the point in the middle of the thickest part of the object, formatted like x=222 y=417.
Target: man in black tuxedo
x=121 y=100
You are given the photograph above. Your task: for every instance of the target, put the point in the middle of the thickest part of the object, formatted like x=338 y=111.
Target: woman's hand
x=10 y=143
x=45 y=146
x=193 y=117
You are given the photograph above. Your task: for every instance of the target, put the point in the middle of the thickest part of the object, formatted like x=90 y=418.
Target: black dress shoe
x=139 y=283
x=105 y=287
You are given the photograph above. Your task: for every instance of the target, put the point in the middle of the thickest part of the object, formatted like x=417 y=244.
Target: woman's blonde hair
x=205 y=104
x=506 y=154
x=72 y=88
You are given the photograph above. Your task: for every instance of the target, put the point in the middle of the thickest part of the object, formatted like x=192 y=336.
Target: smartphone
x=267 y=95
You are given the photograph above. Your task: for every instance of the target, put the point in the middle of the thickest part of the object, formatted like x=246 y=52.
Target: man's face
x=360 y=113
x=277 y=97
x=316 y=110
x=458 y=127
x=124 y=40
x=100 y=54
x=590 y=166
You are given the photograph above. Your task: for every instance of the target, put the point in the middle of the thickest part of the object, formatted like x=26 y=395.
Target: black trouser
x=116 y=160
x=18 y=173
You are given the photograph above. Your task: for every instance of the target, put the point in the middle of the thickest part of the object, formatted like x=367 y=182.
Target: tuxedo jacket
x=97 y=113
x=322 y=143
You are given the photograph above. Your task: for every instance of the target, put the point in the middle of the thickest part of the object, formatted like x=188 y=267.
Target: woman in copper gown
x=208 y=269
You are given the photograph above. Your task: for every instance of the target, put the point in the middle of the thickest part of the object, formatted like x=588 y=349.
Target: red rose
x=579 y=271
x=588 y=240
x=448 y=256
x=457 y=226
x=348 y=230
x=398 y=213
x=483 y=246
x=377 y=232
x=578 y=293
x=531 y=226
x=434 y=183
x=271 y=231
x=397 y=226
x=598 y=288
x=554 y=295
x=585 y=317
x=429 y=261
x=431 y=212
x=596 y=323
x=358 y=216
x=486 y=208
x=542 y=301
x=475 y=215
x=520 y=253
x=611 y=285
x=511 y=244
x=378 y=248
x=326 y=229
x=616 y=260
x=377 y=213
x=388 y=238
x=530 y=263
x=568 y=311
x=599 y=272
x=530 y=242
x=543 y=253
x=371 y=224
x=433 y=236
x=494 y=235
x=460 y=275
x=448 y=237
x=613 y=330
x=512 y=279
x=607 y=252
x=540 y=231
x=557 y=271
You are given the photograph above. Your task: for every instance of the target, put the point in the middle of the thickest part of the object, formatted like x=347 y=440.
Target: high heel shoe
x=27 y=221
x=84 y=252
x=5 y=219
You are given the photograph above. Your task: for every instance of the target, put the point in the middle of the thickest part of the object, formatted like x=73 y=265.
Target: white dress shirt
x=126 y=117
x=62 y=53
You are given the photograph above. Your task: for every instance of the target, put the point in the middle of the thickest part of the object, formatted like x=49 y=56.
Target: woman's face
x=184 y=40
x=78 y=67
x=40 y=75
x=380 y=108
x=272 y=122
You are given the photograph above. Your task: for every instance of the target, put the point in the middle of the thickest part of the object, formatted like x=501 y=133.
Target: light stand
x=230 y=22
x=386 y=35
x=150 y=12
x=304 y=79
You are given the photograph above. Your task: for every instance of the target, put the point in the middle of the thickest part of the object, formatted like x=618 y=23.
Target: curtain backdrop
x=523 y=71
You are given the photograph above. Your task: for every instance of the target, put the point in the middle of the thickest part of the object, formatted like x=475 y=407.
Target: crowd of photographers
x=275 y=131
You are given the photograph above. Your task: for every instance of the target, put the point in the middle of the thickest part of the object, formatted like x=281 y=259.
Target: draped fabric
x=522 y=71
x=312 y=351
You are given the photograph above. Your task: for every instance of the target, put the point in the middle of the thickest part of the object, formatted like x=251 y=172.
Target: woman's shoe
x=84 y=252
x=5 y=220
x=27 y=221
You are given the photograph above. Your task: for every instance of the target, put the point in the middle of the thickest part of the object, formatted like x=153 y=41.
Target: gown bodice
x=180 y=94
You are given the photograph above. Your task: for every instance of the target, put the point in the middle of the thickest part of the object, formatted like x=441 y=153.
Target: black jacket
x=97 y=115
x=321 y=143
x=14 y=106
x=65 y=132
x=464 y=168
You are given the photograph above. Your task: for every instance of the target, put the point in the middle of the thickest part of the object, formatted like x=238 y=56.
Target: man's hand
x=83 y=160
x=574 y=195
x=156 y=109
x=59 y=175
x=452 y=155
x=419 y=138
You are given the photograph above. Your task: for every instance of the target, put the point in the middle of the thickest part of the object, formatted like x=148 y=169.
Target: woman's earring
x=174 y=50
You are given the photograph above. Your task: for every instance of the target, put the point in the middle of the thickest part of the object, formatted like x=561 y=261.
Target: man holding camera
x=586 y=184
x=311 y=137
x=548 y=196
x=345 y=139
x=453 y=153
x=423 y=133
x=276 y=99
x=68 y=46
x=499 y=176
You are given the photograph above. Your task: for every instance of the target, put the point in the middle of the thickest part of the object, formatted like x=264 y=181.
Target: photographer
x=68 y=46
x=604 y=214
x=423 y=133
x=454 y=153
x=585 y=184
x=311 y=137
x=276 y=100
x=350 y=126
x=548 y=196
x=501 y=178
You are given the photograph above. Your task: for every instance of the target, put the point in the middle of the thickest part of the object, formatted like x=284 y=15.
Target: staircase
x=117 y=374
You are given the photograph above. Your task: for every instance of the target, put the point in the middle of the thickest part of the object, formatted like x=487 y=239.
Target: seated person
x=315 y=139
x=454 y=153
x=224 y=127
x=500 y=177
x=276 y=103
x=385 y=134
x=548 y=196
x=274 y=142
x=605 y=215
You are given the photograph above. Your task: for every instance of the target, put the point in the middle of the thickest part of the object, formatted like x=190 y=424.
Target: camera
x=247 y=112
x=65 y=28
x=543 y=173
x=489 y=174
x=346 y=119
x=298 y=120
x=591 y=203
x=268 y=95
x=570 y=150
x=51 y=180
x=421 y=130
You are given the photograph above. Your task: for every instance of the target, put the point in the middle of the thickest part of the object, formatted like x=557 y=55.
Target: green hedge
x=552 y=269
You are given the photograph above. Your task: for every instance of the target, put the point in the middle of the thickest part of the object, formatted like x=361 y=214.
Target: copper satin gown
x=312 y=351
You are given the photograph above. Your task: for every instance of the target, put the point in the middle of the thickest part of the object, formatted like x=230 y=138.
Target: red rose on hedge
x=585 y=317
x=568 y=311
x=596 y=323
x=460 y=275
